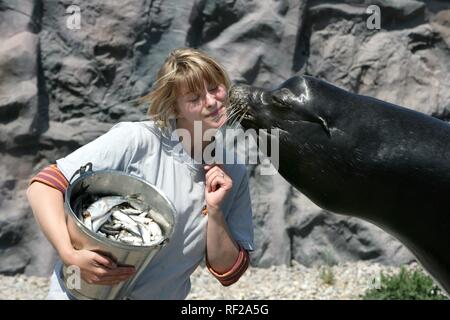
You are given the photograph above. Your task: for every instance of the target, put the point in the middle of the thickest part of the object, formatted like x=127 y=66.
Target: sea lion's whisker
x=233 y=115
x=235 y=118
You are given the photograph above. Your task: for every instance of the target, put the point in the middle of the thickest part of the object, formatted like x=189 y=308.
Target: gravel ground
x=294 y=283
x=281 y=282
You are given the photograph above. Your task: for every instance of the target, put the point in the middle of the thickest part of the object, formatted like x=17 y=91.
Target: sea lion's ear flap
x=295 y=91
x=287 y=98
x=282 y=97
x=296 y=84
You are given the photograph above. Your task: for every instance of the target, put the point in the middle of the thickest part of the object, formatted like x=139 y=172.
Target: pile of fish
x=124 y=219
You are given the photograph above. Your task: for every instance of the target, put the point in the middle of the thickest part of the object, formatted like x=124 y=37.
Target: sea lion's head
x=286 y=107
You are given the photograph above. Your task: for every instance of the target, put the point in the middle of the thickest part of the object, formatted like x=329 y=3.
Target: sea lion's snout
x=245 y=101
x=238 y=95
x=270 y=108
x=245 y=96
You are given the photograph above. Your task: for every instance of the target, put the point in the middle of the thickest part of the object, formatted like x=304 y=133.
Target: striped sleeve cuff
x=52 y=177
x=236 y=271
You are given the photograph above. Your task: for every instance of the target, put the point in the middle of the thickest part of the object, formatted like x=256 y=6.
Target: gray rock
x=403 y=67
x=10 y=233
x=288 y=226
x=14 y=261
x=320 y=237
x=399 y=9
x=19 y=91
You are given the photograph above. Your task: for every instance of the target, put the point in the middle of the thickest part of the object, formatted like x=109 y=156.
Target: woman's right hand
x=96 y=268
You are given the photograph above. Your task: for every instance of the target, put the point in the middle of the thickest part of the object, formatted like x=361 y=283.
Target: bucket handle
x=83 y=169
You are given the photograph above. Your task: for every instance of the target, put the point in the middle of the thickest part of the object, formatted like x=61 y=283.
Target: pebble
x=295 y=282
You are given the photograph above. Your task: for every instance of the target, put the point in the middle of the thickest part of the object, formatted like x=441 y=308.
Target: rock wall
x=61 y=88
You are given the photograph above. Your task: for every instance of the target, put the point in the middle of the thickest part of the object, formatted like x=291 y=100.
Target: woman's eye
x=213 y=88
x=193 y=99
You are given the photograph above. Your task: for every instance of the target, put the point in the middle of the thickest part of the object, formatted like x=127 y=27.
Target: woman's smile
x=217 y=112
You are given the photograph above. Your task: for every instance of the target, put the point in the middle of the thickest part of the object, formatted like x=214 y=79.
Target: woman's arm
x=221 y=250
x=225 y=259
x=48 y=209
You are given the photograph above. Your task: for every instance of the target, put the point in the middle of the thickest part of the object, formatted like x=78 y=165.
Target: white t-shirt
x=142 y=149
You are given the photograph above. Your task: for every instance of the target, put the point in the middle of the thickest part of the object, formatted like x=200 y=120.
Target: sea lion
x=362 y=157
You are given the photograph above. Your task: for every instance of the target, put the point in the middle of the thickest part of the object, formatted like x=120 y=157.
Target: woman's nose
x=210 y=100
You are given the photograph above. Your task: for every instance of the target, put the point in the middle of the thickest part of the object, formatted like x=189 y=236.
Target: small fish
x=126 y=219
x=97 y=223
x=133 y=229
x=137 y=203
x=117 y=226
x=109 y=231
x=87 y=220
x=122 y=233
x=154 y=240
x=145 y=233
x=141 y=219
x=112 y=226
x=103 y=205
x=130 y=211
x=144 y=214
x=155 y=230
x=123 y=218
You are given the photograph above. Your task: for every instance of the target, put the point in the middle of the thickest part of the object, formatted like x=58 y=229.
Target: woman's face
x=206 y=106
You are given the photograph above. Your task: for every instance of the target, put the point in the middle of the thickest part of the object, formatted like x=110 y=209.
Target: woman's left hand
x=217 y=186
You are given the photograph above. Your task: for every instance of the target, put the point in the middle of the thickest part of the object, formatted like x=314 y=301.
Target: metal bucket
x=110 y=182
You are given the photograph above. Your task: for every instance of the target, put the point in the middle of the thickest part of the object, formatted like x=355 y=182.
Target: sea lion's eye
x=279 y=101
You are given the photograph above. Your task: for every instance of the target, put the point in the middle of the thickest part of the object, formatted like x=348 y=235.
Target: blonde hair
x=185 y=66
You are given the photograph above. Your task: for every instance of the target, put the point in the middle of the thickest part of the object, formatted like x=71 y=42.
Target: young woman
x=214 y=215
